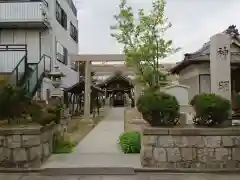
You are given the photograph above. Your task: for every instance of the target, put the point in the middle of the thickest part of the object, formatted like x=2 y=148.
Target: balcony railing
x=25 y=13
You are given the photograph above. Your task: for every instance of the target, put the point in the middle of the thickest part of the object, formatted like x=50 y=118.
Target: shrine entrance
x=119 y=90
x=118 y=99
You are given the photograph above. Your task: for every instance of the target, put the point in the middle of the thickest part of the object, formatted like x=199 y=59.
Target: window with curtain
x=62 y=54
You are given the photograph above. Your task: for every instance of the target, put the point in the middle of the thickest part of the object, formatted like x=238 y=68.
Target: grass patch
x=63 y=144
x=63 y=150
x=78 y=128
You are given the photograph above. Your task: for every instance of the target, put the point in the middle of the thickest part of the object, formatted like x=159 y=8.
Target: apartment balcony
x=24 y=14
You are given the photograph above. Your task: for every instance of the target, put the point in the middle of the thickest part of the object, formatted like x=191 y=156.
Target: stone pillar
x=87 y=93
x=220 y=68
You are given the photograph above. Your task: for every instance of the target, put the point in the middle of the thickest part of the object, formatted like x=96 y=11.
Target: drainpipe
x=52 y=19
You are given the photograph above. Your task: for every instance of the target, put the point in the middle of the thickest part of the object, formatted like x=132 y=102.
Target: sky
x=193 y=23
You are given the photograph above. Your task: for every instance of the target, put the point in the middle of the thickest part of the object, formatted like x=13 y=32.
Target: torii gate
x=102 y=69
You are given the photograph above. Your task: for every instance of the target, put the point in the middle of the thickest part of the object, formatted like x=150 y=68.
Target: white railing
x=9 y=60
x=10 y=55
x=22 y=12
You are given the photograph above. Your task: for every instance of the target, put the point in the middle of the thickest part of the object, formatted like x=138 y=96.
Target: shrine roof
x=79 y=87
x=116 y=77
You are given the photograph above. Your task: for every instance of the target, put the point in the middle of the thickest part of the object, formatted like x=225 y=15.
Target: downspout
x=52 y=12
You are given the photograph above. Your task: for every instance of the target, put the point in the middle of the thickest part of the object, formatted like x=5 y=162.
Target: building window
x=58 y=12
x=73 y=32
x=204 y=83
x=72 y=6
x=61 y=16
x=45 y=2
x=65 y=56
x=62 y=54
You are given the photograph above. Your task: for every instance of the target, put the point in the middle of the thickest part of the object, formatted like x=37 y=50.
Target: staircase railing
x=18 y=72
x=39 y=70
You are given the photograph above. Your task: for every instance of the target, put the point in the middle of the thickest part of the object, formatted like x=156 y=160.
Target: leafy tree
x=143 y=40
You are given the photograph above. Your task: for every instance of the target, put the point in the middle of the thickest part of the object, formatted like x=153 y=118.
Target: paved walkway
x=141 y=176
x=99 y=148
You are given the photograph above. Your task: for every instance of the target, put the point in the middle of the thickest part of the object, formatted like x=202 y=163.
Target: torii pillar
x=87 y=91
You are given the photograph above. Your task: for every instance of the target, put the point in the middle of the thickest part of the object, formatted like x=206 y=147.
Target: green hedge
x=130 y=142
x=211 y=109
x=159 y=108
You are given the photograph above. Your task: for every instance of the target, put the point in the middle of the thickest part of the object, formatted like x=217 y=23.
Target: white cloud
x=194 y=21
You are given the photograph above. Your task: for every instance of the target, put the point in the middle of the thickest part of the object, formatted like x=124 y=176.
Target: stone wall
x=24 y=147
x=133 y=120
x=199 y=148
x=136 y=125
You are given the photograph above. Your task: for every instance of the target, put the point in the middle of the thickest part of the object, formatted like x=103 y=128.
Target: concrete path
x=140 y=176
x=99 y=148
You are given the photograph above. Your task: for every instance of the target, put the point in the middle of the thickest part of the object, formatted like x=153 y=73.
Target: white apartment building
x=46 y=28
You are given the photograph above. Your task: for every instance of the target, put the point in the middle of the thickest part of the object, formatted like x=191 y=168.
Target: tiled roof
x=116 y=77
x=202 y=55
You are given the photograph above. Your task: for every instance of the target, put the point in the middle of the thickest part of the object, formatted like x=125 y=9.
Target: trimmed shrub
x=45 y=119
x=159 y=108
x=211 y=109
x=44 y=114
x=130 y=142
x=56 y=110
x=13 y=103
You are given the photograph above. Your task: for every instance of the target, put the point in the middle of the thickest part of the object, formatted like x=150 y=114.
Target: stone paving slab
x=95 y=160
x=103 y=138
x=99 y=148
x=88 y=171
x=11 y=176
x=140 y=176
